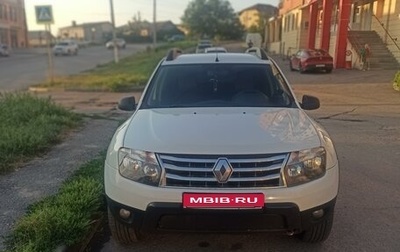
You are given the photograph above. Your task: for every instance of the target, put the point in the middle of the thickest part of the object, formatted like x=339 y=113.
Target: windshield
x=216 y=85
x=62 y=44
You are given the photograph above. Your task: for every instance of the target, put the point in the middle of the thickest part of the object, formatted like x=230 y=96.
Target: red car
x=311 y=59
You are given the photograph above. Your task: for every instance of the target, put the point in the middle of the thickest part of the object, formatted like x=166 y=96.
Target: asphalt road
x=30 y=66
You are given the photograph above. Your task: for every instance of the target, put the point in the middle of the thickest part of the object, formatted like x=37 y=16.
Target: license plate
x=223 y=200
x=321 y=65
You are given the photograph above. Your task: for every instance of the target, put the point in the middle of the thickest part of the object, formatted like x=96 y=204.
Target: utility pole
x=154 y=24
x=114 y=36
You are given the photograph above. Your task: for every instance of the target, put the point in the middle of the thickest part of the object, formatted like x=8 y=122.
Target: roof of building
x=264 y=8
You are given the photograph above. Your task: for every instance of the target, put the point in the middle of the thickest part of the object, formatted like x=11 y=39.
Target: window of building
x=5 y=13
x=12 y=14
x=293 y=22
x=3 y=36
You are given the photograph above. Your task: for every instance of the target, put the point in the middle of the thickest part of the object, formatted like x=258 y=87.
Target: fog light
x=125 y=214
x=318 y=214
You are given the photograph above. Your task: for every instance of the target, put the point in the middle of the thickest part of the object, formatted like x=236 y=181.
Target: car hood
x=221 y=131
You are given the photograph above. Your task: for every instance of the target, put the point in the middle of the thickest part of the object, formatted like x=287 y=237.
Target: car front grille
x=196 y=171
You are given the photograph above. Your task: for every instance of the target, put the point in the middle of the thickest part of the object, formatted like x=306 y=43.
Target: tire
x=301 y=69
x=318 y=232
x=122 y=233
x=328 y=70
x=291 y=66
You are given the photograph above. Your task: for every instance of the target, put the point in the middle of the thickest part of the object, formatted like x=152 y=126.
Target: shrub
x=29 y=125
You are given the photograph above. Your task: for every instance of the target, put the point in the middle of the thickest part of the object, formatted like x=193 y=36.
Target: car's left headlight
x=139 y=166
x=305 y=166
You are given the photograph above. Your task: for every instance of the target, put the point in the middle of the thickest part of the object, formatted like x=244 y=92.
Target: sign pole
x=49 y=54
x=116 y=57
x=44 y=15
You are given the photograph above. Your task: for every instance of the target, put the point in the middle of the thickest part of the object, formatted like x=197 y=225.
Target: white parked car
x=66 y=48
x=215 y=50
x=221 y=146
x=4 y=50
x=258 y=52
x=203 y=45
x=120 y=43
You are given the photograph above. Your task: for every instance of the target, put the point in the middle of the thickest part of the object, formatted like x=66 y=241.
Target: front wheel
x=318 y=232
x=328 y=70
x=122 y=233
x=301 y=69
x=291 y=66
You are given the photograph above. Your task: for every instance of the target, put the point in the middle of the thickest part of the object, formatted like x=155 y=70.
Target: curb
x=50 y=89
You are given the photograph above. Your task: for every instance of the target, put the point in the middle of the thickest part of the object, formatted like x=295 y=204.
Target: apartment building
x=13 y=27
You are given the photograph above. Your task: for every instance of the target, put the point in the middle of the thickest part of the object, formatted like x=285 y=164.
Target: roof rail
x=173 y=54
x=257 y=51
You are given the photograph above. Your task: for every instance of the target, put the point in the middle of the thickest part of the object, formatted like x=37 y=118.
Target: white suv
x=218 y=143
x=66 y=48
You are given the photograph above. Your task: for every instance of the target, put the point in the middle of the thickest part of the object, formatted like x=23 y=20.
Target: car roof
x=225 y=58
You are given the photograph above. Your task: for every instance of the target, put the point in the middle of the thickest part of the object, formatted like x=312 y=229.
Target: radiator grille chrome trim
x=196 y=171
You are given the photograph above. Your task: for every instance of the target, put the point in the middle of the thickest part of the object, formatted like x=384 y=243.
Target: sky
x=83 y=11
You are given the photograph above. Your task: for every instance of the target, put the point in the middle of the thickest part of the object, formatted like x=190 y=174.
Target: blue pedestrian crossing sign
x=44 y=14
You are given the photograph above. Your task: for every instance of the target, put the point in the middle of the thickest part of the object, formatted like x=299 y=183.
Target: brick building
x=13 y=27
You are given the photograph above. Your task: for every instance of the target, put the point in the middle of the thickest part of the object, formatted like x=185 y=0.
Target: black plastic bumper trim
x=161 y=216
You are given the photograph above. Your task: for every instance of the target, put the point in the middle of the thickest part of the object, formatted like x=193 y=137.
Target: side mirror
x=310 y=102
x=127 y=104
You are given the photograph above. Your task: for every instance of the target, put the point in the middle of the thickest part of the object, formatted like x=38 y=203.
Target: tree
x=212 y=18
x=261 y=24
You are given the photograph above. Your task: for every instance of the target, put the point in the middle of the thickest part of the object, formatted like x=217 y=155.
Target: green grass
x=28 y=126
x=130 y=73
x=65 y=218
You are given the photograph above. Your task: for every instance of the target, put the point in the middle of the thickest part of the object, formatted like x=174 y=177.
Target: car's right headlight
x=139 y=166
x=305 y=166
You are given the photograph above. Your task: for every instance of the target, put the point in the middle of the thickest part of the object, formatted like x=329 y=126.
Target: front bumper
x=160 y=216
x=139 y=196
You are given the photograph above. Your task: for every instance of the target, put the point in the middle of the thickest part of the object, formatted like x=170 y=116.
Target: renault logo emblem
x=222 y=170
